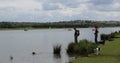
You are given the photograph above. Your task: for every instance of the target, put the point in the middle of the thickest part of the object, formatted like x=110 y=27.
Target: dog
x=97 y=50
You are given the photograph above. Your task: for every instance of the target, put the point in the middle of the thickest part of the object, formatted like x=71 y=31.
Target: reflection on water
x=57 y=56
x=21 y=44
x=62 y=58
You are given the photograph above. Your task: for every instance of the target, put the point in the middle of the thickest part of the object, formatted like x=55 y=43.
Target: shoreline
x=110 y=53
x=45 y=28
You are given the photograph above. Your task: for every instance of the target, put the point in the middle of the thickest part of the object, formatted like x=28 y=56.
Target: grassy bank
x=110 y=53
x=96 y=60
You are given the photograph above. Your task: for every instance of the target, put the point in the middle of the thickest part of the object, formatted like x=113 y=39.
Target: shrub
x=119 y=31
x=112 y=35
x=57 y=49
x=84 y=47
x=104 y=37
x=107 y=36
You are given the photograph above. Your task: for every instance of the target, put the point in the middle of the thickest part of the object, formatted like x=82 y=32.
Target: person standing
x=76 y=34
x=96 y=34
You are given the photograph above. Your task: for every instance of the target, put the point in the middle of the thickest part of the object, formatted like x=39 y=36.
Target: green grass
x=110 y=53
x=111 y=48
x=96 y=60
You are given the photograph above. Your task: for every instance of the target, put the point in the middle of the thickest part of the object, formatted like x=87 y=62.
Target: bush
x=107 y=36
x=84 y=47
x=71 y=47
x=112 y=35
x=104 y=36
x=57 y=49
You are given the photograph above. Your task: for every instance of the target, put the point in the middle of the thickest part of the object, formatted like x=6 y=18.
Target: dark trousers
x=75 y=39
x=96 y=36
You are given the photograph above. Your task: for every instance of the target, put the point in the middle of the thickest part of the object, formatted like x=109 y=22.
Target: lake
x=20 y=44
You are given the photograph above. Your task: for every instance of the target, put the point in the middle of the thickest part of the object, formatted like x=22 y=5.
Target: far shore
x=43 y=28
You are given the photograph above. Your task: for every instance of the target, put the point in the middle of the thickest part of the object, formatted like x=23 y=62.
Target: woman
x=96 y=34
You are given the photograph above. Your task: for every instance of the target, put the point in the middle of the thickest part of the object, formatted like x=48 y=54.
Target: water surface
x=20 y=44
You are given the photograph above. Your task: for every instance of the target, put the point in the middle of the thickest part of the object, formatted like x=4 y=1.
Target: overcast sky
x=58 y=10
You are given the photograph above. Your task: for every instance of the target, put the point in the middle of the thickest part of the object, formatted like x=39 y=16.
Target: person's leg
x=96 y=41
x=75 y=39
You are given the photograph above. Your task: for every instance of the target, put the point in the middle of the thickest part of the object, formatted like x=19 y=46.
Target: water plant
x=11 y=59
x=57 y=49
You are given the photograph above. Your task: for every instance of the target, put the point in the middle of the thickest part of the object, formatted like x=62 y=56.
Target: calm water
x=20 y=44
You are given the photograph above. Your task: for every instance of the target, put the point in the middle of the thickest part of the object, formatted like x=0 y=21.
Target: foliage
x=84 y=47
x=112 y=48
x=108 y=36
x=110 y=53
x=112 y=35
x=61 y=24
x=104 y=36
x=57 y=49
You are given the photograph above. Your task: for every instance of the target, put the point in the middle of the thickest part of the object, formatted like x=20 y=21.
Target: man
x=76 y=34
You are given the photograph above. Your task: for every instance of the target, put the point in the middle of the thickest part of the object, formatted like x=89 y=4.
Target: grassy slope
x=110 y=53
x=96 y=60
x=111 y=48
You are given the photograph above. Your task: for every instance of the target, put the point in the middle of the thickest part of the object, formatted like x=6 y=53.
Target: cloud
x=58 y=10
x=51 y=6
x=7 y=9
x=101 y=2
x=65 y=3
x=20 y=4
x=105 y=5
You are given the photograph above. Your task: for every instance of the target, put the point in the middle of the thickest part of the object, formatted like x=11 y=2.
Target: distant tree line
x=61 y=24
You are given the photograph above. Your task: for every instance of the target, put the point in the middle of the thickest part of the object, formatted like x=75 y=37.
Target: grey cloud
x=72 y=4
x=101 y=2
x=49 y=6
x=93 y=6
x=66 y=3
x=7 y=8
x=103 y=5
x=118 y=1
x=109 y=9
x=7 y=0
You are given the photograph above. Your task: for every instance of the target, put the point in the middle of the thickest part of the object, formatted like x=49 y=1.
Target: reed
x=57 y=49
